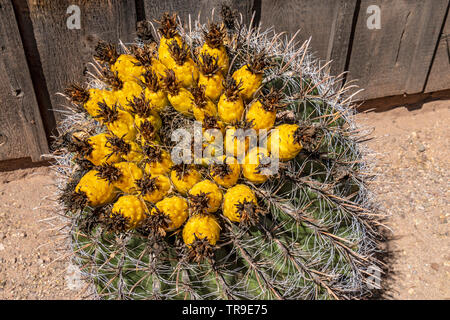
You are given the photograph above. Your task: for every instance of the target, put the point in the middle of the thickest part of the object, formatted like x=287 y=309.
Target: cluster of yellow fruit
x=135 y=172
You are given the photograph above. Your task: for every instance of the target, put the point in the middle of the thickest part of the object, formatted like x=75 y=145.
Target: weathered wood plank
x=22 y=134
x=155 y=8
x=65 y=53
x=439 y=78
x=395 y=59
x=327 y=22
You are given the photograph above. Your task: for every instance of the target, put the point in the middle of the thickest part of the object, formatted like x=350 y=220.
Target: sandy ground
x=413 y=186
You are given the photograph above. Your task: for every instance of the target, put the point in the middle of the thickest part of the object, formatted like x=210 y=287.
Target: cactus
x=307 y=232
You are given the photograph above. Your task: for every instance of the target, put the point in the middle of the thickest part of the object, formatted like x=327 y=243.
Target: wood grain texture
x=396 y=58
x=155 y=8
x=21 y=130
x=65 y=53
x=439 y=78
x=327 y=22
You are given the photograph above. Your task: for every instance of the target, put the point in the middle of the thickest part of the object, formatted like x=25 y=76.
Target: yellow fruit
x=180 y=98
x=184 y=177
x=288 y=143
x=100 y=153
x=231 y=106
x=123 y=126
x=127 y=150
x=169 y=33
x=262 y=112
x=135 y=153
x=129 y=90
x=147 y=56
x=153 y=118
x=157 y=160
x=260 y=117
x=153 y=188
x=127 y=68
x=201 y=226
x=230 y=111
x=147 y=133
x=214 y=47
x=143 y=111
x=158 y=99
x=176 y=208
x=164 y=54
x=96 y=96
x=251 y=75
x=182 y=101
x=97 y=190
x=250 y=82
x=129 y=173
x=208 y=191
x=213 y=85
x=212 y=127
x=203 y=106
x=159 y=68
x=252 y=168
x=234 y=199
x=219 y=52
x=153 y=91
x=210 y=77
x=131 y=208
x=227 y=173
x=183 y=66
x=236 y=143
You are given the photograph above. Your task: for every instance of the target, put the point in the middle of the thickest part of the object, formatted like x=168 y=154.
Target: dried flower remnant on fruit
x=106 y=53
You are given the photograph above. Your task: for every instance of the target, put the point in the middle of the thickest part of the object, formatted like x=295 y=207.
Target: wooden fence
x=392 y=47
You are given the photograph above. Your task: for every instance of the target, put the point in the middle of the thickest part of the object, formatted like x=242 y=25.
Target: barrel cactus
x=287 y=218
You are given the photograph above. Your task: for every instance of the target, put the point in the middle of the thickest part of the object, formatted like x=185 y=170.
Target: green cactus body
x=311 y=237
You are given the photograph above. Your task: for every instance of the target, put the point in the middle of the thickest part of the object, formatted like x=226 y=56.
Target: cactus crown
x=116 y=222
x=78 y=145
x=199 y=203
x=155 y=225
x=210 y=122
x=181 y=169
x=249 y=212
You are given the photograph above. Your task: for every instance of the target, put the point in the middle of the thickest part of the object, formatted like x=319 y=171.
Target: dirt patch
x=413 y=152
x=413 y=186
x=30 y=249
